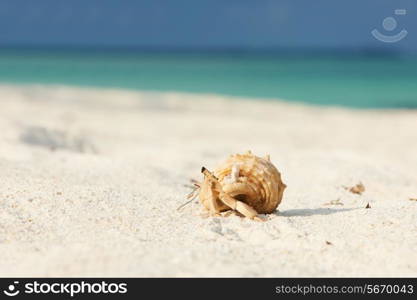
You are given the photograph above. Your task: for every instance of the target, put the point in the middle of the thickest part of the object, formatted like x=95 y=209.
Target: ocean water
x=363 y=81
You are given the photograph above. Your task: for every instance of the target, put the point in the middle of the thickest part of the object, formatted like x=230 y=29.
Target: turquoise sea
x=355 y=80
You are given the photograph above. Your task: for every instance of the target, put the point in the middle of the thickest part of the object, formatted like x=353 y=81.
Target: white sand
x=90 y=181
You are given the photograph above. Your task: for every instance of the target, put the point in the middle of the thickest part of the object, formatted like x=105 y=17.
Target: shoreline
x=140 y=95
x=91 y=179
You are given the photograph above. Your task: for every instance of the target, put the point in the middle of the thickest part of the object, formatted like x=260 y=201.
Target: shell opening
x=241 y=197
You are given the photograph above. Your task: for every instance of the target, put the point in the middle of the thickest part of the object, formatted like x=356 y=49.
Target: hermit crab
x=245 y=183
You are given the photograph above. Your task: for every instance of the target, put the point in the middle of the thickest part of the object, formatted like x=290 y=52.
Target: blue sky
x=205 y=24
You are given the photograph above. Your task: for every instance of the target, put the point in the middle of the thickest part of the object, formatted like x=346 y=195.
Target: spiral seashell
x=246 y=183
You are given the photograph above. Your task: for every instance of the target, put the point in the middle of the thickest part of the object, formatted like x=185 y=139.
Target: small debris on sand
x=412 y=199
x=328 y=243
x=334 y=202
x=357 y=189
x=367 y=206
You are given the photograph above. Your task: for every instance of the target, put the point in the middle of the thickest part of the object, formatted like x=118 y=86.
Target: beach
x=91 y=179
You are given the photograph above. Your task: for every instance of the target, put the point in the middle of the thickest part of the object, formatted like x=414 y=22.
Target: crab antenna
x=184 y=204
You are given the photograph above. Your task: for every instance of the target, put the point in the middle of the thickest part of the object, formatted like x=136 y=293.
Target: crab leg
x=231 y=202
x=237 y=205
x=214 y=208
